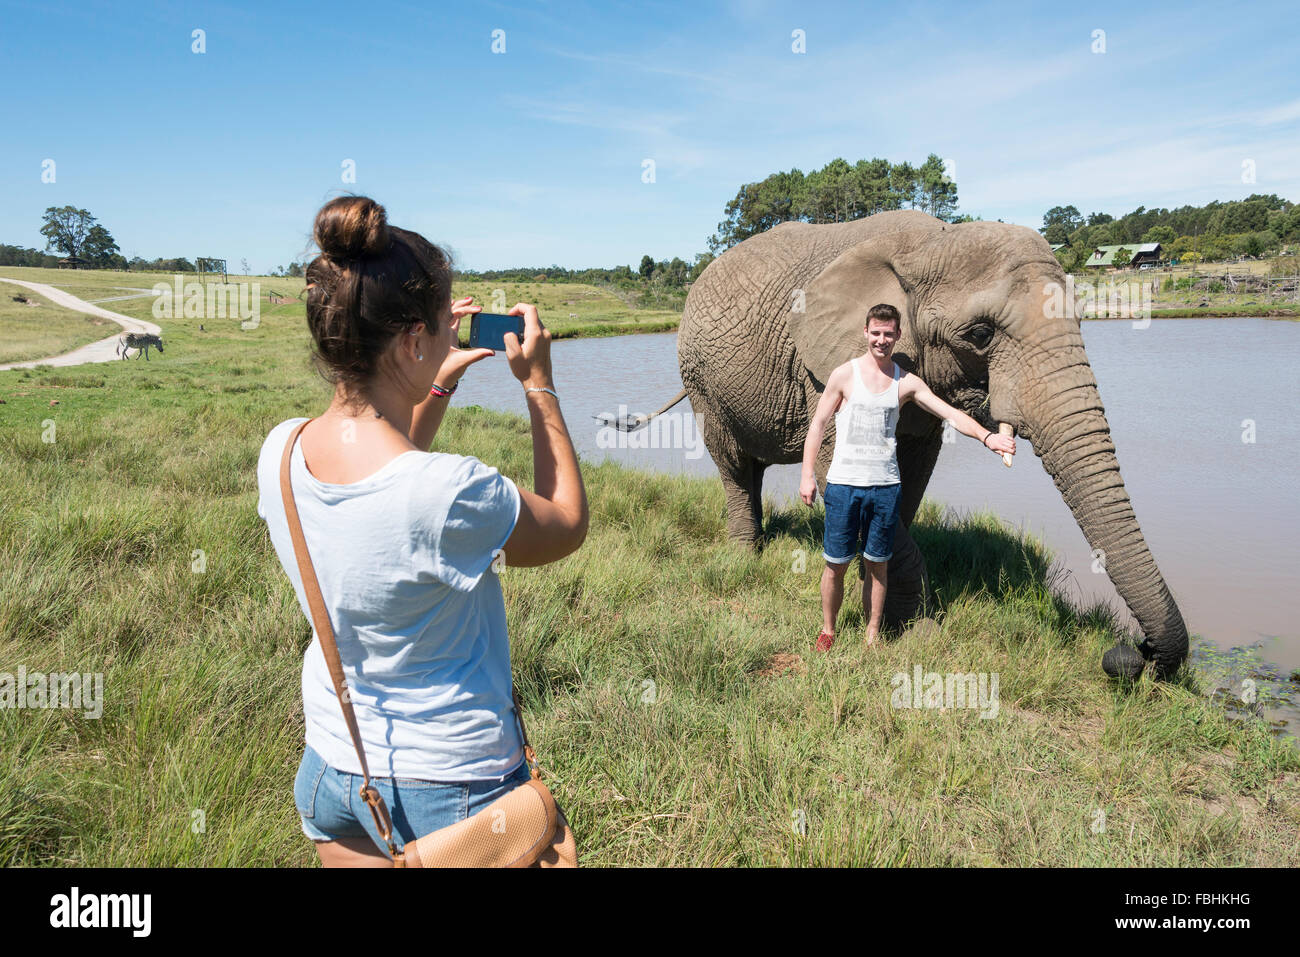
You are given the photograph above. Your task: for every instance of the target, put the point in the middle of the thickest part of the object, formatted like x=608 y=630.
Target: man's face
x=881 y=336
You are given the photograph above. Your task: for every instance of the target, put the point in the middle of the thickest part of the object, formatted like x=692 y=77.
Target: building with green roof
x=1142 y=253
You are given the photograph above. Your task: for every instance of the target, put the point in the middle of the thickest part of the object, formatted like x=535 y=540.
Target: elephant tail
x=630 y=423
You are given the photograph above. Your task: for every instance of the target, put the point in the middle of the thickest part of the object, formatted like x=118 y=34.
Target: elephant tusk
x=1005 y=428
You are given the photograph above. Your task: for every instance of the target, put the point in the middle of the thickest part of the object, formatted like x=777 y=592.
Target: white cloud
x=1275 y=115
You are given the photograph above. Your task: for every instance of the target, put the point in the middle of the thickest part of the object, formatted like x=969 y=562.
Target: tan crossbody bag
x=522 y=828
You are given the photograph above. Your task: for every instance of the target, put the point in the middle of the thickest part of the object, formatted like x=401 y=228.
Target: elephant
x=768 y=320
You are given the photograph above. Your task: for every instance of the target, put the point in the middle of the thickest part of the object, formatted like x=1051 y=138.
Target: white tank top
x=865 y=452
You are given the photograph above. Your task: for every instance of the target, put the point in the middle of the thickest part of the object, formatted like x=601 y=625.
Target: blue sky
x=535 y=156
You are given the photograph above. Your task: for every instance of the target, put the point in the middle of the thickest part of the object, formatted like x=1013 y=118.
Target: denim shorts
x=859 y=514
x=330 y=806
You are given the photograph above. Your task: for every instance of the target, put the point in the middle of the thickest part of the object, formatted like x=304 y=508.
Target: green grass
x=668 y=674
x=570 y=309
x=1221 y=310
x=44 y=329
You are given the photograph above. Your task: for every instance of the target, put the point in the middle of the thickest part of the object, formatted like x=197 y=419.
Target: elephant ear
x=828 y=331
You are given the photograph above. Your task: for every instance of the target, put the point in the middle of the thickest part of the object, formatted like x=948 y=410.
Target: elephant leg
x=908 y=593
x=742 y=480
x=741 y=524
x=756 y=470
x=742 y=477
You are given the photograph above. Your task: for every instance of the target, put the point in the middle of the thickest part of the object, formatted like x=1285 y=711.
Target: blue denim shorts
x=330 y=806
x=855 y=513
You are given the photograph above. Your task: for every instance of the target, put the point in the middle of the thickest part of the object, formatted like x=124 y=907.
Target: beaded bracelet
x=441 y=392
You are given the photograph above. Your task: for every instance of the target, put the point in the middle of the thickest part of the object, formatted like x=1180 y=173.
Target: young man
x=862 y=484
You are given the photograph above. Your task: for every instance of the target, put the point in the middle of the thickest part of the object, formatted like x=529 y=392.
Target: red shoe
x=824 y=641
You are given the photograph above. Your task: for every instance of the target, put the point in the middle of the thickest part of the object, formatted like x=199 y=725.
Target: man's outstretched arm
x=921 y=394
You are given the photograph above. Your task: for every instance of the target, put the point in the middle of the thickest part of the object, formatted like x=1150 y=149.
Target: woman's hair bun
x=371 y=283
x=352 y=227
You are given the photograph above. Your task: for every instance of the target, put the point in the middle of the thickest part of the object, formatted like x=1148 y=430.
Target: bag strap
x=534 y=770
x=325 y=633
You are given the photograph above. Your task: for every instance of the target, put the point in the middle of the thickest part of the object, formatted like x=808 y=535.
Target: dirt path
x=105 y=350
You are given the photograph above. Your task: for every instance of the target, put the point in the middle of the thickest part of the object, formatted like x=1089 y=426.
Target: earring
x=419 y=357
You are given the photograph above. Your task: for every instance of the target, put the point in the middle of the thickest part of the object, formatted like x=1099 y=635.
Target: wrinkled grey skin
x=754 y=366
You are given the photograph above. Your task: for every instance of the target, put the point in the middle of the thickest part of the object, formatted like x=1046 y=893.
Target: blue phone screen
x=488 y=330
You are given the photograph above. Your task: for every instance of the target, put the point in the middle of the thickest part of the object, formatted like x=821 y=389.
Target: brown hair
x=370 y=283
x=885 y=313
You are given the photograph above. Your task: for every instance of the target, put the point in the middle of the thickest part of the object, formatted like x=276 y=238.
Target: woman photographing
x=406 y=544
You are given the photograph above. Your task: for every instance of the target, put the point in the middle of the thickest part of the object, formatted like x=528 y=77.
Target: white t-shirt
x=403 y=559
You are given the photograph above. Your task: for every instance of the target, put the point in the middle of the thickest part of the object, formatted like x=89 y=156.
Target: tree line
x=658 y=285
x=1255 y=226
x=77 y=234
x=73 y=232
x=673 y=272
x=836 y=193
x=26 y=256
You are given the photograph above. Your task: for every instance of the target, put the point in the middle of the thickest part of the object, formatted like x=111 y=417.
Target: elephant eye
x=980 y=334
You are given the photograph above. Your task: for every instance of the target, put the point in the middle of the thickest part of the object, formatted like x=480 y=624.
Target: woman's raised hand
x=458 y=359
x=462 y=307
x=530 y=361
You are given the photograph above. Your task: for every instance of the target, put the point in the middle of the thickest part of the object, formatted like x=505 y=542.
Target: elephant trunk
x=1070 y=433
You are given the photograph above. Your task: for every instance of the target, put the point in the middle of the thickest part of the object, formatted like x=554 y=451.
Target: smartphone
x=487 y=330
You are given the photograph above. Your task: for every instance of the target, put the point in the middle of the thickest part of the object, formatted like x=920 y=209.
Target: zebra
x=140 y=341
